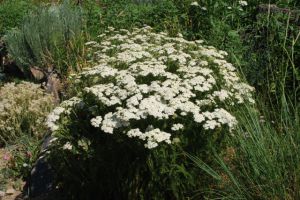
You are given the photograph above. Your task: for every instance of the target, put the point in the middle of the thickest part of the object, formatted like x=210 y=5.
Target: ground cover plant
x=153 y=97
x=23 y=108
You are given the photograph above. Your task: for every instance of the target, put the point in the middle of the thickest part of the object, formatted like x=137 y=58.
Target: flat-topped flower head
x=243 y=3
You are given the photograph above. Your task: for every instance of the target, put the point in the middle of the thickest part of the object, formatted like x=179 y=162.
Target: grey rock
x=41 y=180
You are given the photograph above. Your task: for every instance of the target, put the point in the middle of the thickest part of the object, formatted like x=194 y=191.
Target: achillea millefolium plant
x=149 y=98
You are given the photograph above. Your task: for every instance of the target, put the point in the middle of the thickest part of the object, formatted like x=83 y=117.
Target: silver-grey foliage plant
x=44 y=35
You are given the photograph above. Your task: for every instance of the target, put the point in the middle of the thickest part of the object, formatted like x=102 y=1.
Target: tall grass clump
x=275 y=52
x=263 y=158
x=50 y=39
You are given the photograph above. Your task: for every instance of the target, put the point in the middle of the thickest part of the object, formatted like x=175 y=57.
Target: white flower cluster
x=152 y=136
x=195 y=3
x=96 y=121
x=65 y=107
x=150 y=86
x=67 y=146
x=243 y=3
x=177 y=127
x=53 y=117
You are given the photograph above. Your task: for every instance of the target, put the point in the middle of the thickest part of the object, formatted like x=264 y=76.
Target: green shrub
x=93 y=15
x=149 y=98
x=161 y=15
x=12 y=13
x=23 y=108
x=50 y=38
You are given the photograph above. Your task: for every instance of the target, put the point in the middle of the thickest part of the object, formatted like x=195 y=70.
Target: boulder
x=40 y=184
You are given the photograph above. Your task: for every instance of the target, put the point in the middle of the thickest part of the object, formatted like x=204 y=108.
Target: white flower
x=151 y=145
x=222 y=95
x=96 y=121
x=90 y=43
x=67 y=146
x=211 y=124
x=198 y=117
x=195 y=3
x=25 y=165
x=58 y=110
x=243 y=3
x=177 y=127
x=152 y=137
